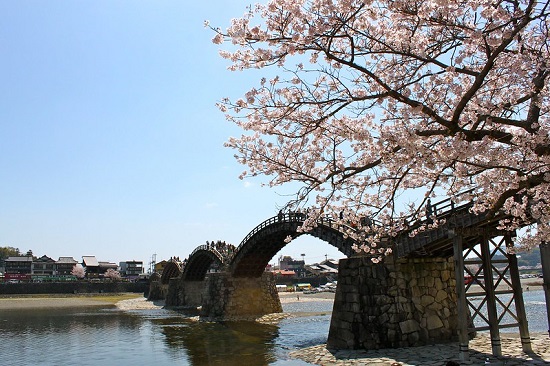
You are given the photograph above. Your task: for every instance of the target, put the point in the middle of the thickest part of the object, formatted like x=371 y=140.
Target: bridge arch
x=200 y=261
x=171 y=269
x=268 y=238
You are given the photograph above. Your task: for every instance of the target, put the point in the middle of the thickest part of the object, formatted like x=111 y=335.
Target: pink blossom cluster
x=373 y=100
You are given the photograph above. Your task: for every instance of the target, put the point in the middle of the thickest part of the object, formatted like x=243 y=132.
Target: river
x=109 y=336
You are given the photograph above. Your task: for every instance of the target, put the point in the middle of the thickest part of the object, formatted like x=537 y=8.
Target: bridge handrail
x=282 y=217
x=443 y=207
x=447 y=205
x=207 y=248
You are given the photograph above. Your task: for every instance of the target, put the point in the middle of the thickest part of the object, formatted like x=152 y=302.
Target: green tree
x=6 y=252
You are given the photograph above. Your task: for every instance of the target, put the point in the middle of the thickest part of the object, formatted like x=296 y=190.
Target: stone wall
x=230 y=297
x=408 y=302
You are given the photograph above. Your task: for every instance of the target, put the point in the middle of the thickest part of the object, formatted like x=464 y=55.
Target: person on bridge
x=429 y=211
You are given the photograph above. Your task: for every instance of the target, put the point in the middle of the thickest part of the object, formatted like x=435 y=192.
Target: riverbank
x=37 y=301
x=290 y=297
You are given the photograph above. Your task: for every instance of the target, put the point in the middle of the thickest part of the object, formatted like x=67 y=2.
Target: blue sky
x=110 y=141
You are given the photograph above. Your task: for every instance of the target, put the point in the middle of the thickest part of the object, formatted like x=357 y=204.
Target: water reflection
x=46 y=321
x=228 y=343
x=92 y=336
x=56 y=336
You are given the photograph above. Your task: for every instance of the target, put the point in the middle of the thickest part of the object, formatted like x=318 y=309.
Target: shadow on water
x=227 y=343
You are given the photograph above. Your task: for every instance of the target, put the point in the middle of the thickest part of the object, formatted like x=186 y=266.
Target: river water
x=108 y=336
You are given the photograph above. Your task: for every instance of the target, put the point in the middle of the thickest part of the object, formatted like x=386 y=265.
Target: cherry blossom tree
x=78 y=271
x=366 y=101
x=112 y=274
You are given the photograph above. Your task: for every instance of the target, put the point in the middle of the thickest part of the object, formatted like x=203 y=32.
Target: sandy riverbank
x=17 y=302
x=289 y=297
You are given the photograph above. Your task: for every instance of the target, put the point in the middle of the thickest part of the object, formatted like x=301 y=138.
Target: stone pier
x=230 y=297
x=401 y=303
x=185 y=293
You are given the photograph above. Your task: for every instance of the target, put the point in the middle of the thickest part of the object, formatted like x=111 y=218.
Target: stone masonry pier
x=401 y=303
x=226 y=296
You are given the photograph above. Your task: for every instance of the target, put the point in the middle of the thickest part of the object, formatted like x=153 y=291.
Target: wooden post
x=545 y=261
x=491 y=299
x=518 y=297
x=463 y=339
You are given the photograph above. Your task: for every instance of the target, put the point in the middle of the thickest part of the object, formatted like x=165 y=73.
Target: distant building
x=131 y=268
x=18 y=268
x=327 y=268
x=286 y=263
x=159 y=267
x=43 y=266
x=104 y=266
x=65 y=265
x=90 y=263
x=284 y=273
x=20 y=265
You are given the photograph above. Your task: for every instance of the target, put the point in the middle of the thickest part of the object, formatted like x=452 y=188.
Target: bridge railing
x=447 y=206
x=209 y=248
x=292 y=217
x=440 y=209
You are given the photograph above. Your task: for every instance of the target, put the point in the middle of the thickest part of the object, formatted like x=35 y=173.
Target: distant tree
x=78 y=271
x=6 y=252
x=112 y=274
x=378 y=98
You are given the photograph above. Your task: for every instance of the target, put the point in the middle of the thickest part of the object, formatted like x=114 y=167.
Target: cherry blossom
x=78 y=271
x=376 y=106
x=112 y=274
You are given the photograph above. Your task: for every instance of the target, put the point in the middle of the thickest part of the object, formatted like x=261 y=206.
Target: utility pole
x=152 y=263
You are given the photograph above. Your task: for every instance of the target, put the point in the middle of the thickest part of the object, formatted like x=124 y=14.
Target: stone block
x=427 y=300
x=434 y=322
x=440 y=296
x=409 y=326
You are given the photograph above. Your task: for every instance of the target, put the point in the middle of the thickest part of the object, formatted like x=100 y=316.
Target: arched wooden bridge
x=264 y=241
x=459 y=234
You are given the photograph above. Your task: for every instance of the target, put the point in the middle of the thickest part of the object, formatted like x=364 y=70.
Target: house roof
x=19 y=259
x=44 y=258
x=67 y=260
x=90 y=261
x=326 y=268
